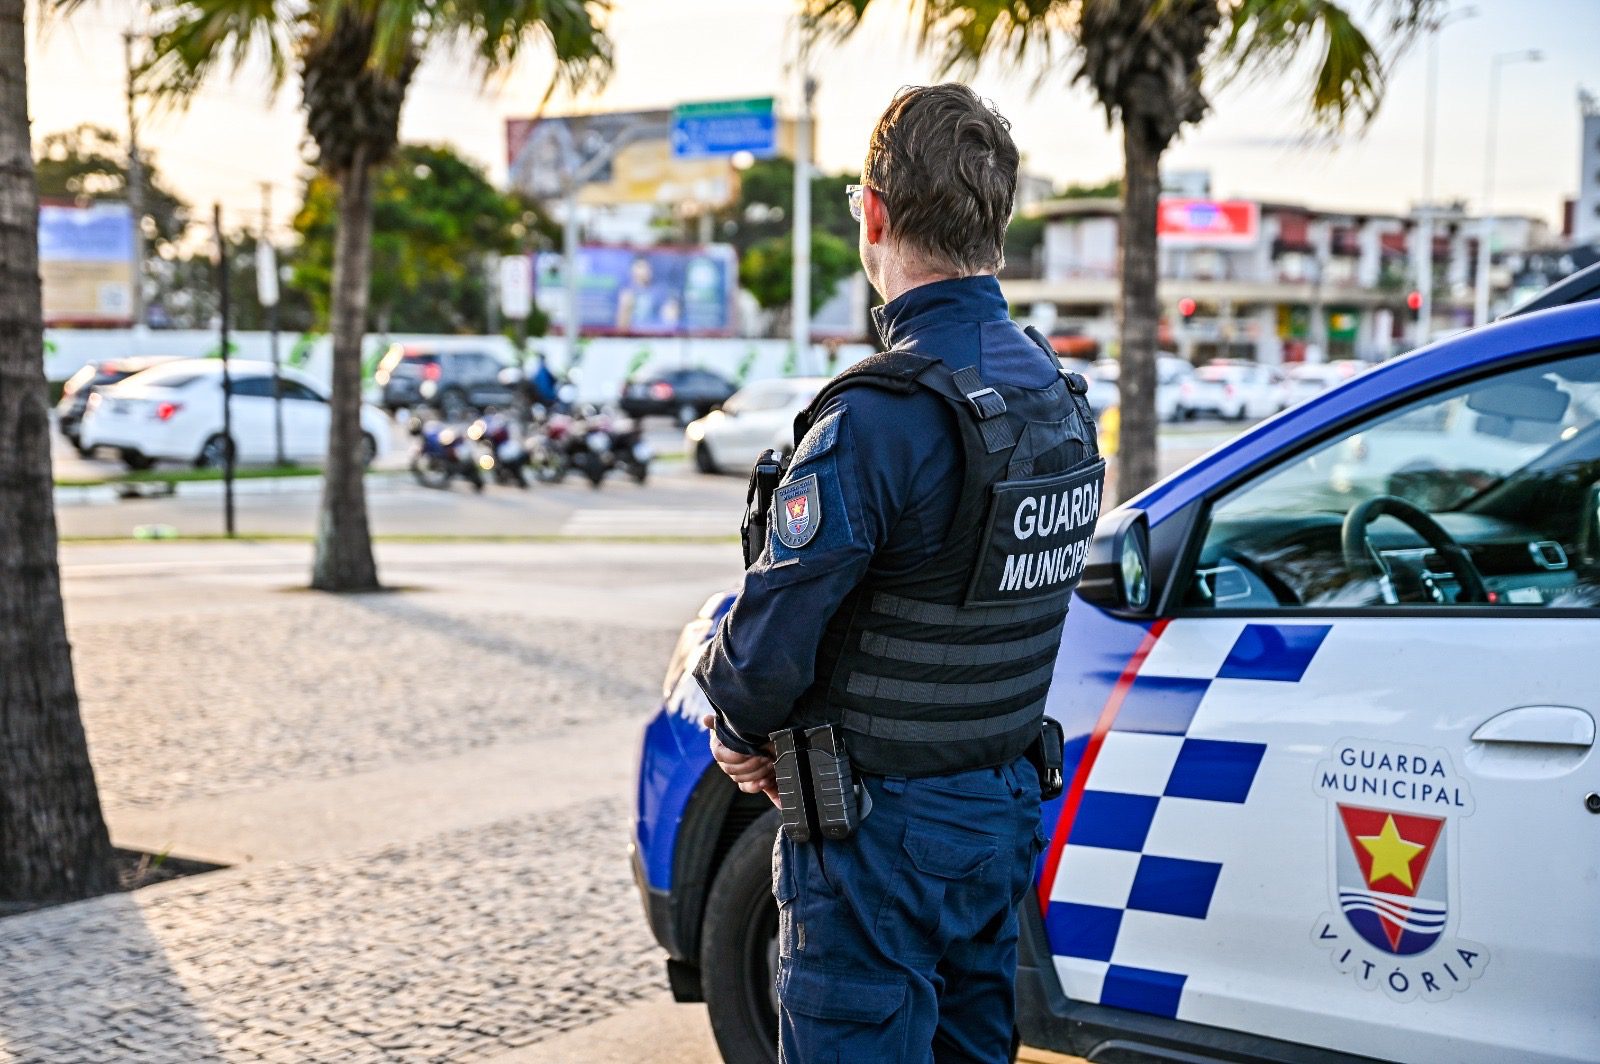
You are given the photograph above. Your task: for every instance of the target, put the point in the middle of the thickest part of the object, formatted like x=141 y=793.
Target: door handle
x=1541 y=725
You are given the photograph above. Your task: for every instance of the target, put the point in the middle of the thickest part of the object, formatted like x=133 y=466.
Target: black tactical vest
x=946 y=668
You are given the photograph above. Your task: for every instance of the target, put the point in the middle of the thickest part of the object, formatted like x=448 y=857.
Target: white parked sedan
x=1105 y=388
x=756 y=417
x=173 y=412
x=1233 y=389
x=1307 y=379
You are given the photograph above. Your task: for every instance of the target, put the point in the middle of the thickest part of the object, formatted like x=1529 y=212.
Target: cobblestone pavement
x=295 y=686
x=456 y=949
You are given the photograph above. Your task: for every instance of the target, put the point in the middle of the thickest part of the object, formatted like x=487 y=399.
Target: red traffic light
x=1186 y=307
x=1414 y=301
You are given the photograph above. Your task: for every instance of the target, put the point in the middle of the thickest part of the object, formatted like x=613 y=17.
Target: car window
x=253 y=387
x=409 y=365
x=1505 y=469
x=296 y=390
x=771 y=395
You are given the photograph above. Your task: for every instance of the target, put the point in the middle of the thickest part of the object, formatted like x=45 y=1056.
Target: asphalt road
x=677 y=503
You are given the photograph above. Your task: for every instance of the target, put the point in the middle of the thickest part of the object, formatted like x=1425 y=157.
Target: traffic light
x=1186 y=308
x=1414 y=302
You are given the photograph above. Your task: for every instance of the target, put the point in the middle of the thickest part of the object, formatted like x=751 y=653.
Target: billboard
x=645 y=170
x=642 y=171
x=86 y=264
x=1208 y=223
x=655 y=291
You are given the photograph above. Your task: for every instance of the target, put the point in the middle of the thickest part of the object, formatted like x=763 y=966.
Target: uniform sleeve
x=846 y=488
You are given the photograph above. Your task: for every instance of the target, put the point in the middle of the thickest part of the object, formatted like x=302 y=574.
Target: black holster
x=765 y=476
x=1046 y=754
x=816 y=787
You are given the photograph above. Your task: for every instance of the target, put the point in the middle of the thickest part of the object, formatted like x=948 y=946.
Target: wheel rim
x=761 y=960
x=215 y=452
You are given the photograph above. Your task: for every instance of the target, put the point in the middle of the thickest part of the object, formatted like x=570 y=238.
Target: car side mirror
x=1117 y=576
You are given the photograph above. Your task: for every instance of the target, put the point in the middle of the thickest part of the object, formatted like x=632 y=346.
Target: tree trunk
x=53 y=841
x=344 y=543
x=1140 y=312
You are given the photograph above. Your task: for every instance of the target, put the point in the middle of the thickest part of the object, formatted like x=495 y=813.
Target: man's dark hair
x=943 y=161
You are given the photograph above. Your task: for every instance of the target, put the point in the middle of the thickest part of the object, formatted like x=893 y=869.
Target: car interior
x=1485 y=495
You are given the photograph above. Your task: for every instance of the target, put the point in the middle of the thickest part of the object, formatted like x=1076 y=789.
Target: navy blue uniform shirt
x=889 y=470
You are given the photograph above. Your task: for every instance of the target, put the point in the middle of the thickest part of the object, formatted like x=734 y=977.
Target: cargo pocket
x=783 y=892
x=848 y=1017
x=917 y=918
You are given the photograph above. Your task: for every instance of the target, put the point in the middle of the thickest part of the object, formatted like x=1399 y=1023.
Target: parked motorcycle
x=440 y=453
x=608 y=443
x=548 y=444
x=503 y=452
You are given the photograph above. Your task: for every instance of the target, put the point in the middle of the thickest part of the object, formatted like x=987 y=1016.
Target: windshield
x=169 y=375
x=1442 y=453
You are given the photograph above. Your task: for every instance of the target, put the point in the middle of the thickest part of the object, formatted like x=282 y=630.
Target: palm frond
x=1265 y=37
x=963 y=34
x=194 y=38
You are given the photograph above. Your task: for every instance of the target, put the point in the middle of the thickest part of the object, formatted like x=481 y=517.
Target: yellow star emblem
x=1391 y=855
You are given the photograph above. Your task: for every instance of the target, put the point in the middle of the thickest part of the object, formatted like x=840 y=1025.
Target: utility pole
x=801 y=282
x=135 y=190
x=1429 y=137
x=1480 y=309
x=267 y=295
x=227 y=378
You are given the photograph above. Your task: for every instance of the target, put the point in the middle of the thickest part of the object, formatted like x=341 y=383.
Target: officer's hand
x=752 y=772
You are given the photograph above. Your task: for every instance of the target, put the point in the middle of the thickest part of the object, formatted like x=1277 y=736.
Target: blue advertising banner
x=86 y=264
x=102 y=233
x=656 y=291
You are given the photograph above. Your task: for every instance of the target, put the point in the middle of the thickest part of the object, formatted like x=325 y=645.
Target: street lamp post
x=1480 y=309
x=1429 y=138
x=800 y=311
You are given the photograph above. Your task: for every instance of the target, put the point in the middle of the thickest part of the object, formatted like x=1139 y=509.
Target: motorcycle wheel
x=430 y=473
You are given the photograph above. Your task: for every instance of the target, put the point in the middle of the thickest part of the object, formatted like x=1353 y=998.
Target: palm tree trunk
x=344 y=559
x=1140 y=312
x=53 y=841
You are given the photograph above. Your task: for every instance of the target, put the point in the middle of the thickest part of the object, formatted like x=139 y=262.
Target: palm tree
x=1147 y=62
x=356 y=59
x=53 y=841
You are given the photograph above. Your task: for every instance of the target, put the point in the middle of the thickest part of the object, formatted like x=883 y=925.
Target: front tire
x=739 y=948
x=214 y=452
x=687 y=413
x=703 y=460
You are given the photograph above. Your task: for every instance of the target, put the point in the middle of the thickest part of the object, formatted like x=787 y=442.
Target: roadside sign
x=516 y=286
x=266 y=274
x=724 y=127
x=1208 y=223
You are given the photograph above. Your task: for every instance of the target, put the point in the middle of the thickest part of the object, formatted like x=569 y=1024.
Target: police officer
x=922 y=547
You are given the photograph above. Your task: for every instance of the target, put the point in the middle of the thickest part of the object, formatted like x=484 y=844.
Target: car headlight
x=692 y=643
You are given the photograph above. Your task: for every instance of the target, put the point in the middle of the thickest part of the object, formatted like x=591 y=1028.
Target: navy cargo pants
x=899 y=944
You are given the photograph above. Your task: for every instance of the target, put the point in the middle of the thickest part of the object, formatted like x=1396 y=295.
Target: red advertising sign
x=1208 y=223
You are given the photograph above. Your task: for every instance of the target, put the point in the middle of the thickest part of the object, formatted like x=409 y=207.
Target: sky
x=235 y=135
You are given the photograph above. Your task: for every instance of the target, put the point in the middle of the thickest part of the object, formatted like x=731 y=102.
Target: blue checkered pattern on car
x=1105 y=872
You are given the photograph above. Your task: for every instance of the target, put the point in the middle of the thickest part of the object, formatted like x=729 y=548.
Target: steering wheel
x=1362 y=560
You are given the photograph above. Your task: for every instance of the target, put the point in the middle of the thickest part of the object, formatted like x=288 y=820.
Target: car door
x=1347 y=796
x=305 y=422
x=250 y=416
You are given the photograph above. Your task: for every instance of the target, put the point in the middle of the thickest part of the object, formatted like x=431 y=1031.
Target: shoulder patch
x=797 y=512
x=820 y=440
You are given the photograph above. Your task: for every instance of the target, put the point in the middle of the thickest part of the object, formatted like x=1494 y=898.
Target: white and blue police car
x=1329 y=696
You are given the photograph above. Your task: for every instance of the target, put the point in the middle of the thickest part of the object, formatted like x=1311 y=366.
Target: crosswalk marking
x=650 y=521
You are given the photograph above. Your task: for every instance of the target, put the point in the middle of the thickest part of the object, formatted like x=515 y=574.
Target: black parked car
x=685 y=394
x=75 y=393
x=456 y=383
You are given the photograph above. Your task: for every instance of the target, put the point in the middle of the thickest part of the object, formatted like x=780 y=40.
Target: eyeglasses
x=852 y=195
